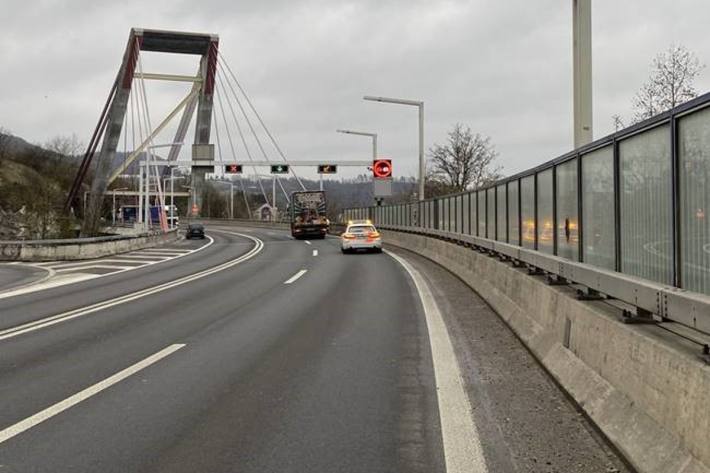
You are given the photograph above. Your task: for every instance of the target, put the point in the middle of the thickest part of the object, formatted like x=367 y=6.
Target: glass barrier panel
x=482 y=214
x=473 y=213
x=501 y=214
x=491 y=213
x=465 y=215
x=527 y=204
x=446 y=214
x=440 y=216
x=694 y=157
x=545 y=227
x=513 y=213
x=567 y=211
x=646 y=232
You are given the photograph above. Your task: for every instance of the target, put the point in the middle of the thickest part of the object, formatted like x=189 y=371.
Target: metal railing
x=626 y=215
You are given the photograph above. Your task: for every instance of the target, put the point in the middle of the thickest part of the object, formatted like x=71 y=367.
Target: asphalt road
x=286 y=357
x=13 y=276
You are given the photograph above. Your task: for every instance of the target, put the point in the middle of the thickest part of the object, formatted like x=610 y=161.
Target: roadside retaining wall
x=81 y=248
x=646 y=389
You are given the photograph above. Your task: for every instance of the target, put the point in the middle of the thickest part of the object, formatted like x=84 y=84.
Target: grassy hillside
x=33 y=185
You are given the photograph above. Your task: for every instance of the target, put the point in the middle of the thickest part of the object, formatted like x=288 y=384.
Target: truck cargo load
x=308 y=214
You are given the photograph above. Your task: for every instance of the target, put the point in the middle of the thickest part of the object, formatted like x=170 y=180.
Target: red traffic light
x=382 y=168
x=233 y=169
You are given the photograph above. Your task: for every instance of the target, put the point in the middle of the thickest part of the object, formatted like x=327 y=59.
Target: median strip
x=71 y=401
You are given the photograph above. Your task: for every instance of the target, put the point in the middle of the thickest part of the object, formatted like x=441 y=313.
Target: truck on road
x=307 y=212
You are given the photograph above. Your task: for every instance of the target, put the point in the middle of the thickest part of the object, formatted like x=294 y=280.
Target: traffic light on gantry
x=233 y=169
x=279 y=169
x=327 y=169
x=382 y=168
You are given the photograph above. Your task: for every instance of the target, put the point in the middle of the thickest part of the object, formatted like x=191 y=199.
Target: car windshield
x=362 y=229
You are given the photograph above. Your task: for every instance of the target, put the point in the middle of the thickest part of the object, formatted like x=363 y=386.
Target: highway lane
x=328 y=373
x=297 y=359
x=35 y=305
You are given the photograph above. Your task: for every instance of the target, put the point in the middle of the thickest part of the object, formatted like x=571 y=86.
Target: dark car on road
x=195 y=230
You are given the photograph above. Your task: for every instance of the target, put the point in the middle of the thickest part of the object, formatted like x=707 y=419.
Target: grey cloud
x=503 y=67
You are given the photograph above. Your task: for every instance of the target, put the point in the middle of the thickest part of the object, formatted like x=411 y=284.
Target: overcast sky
x=501 y=67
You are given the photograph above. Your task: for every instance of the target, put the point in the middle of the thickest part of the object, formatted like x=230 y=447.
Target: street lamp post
x=420 y=105
x=362 y=133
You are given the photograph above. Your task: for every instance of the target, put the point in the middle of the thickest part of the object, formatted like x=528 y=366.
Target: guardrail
x=627 y=215
x=688 y=308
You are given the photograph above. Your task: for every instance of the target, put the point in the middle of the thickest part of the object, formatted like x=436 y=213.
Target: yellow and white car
x=361 y=235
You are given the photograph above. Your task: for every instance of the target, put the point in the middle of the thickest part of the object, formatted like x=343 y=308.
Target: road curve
x=273 y=377
x=292 y=358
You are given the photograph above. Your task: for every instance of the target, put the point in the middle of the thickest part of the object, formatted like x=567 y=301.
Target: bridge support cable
x=253 y=131
x=219 y=85
x=150 y=157
x=224 y=62
x=219 y=150
x=147 y=142
x=231 y=146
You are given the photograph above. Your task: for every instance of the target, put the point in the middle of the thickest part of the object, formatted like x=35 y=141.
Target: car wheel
x=345 y=252
x=378 y=250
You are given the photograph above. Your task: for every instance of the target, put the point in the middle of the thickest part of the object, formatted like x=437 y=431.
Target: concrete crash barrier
x=646 y=389
x=81 y=248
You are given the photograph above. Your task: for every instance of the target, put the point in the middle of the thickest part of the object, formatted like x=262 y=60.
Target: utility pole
x=582 y=71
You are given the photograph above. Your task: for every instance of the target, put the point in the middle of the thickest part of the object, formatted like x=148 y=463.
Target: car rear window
x=362 y=229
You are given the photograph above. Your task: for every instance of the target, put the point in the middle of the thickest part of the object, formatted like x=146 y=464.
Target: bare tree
x=465 y=161
x=65 y=145
x=673 y=73
x=618 y=122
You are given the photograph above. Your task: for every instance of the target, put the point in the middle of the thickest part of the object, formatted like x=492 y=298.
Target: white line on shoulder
x=462 y=445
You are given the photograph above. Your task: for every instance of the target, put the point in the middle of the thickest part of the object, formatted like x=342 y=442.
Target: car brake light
x=373 y=235
x=348 y=236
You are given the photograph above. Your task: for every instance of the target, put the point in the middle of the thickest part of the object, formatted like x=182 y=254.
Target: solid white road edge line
x=462 y=445
x=295 y=276
x=61 y=406
x=72 y=314
x=40 y=286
